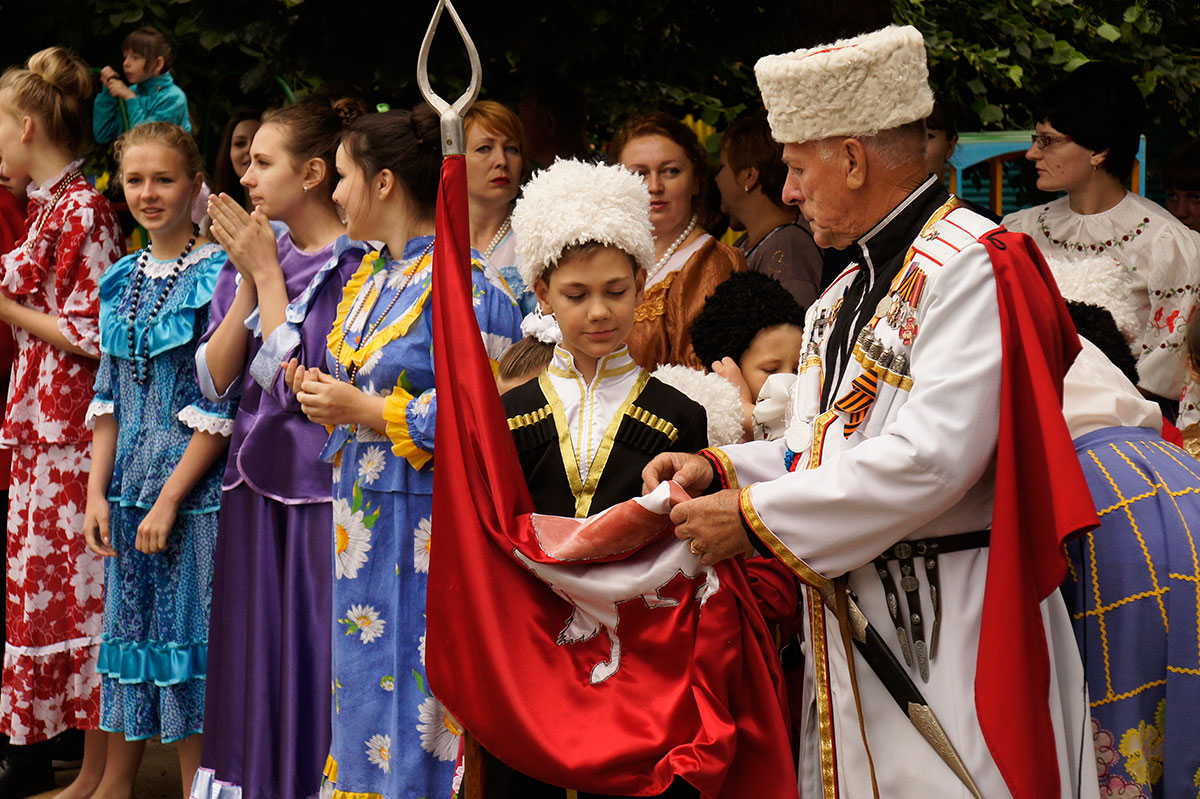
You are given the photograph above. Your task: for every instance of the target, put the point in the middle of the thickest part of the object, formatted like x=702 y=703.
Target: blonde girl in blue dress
x=157 y=453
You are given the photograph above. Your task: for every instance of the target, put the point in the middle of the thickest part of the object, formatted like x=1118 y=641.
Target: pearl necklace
x=505 y=226
x=137 y=360
x=658 y=267
x=352 y=370
x=44 y=216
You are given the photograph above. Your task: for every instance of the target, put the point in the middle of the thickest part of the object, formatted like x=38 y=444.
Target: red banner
x=524 y=612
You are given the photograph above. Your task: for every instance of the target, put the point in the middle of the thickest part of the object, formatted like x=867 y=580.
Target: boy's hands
x=115 y=86
x=727 y=368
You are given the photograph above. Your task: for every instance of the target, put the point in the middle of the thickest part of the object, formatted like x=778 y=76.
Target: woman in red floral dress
x=48 y=293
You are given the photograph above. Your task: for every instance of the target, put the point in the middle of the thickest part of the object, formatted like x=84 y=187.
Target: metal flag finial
x=453 y=138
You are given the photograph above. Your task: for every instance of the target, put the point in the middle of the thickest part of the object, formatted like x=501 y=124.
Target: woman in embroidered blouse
x=1088 y=127
x=391 y=738
x=155 y=484
x=266 y=712
x=690 y=263
x=48 y=293
x=495 y=166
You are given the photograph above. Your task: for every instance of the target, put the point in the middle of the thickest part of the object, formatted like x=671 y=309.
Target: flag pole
x=453 y=139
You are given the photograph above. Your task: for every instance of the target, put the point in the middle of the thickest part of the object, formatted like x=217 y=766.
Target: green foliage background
x=685 y=56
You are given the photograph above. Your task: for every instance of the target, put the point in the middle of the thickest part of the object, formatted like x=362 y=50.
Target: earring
x=306 y=188
x=746 y=189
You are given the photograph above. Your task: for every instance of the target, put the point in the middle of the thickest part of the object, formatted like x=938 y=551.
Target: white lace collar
x=161 y=270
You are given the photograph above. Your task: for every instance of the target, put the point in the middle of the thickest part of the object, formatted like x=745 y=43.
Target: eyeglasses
x=1043 y=140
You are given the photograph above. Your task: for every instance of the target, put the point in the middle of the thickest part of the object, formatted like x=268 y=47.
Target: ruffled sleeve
x=206 y=416
x=104 y=401
x=411 y=423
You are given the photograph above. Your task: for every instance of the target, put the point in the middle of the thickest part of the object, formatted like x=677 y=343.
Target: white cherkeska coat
x=920 y=465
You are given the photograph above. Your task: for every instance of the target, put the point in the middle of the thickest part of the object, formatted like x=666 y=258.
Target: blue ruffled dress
x=156 y=607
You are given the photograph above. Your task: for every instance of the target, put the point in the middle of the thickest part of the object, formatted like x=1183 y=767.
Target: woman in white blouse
x=1089 y=125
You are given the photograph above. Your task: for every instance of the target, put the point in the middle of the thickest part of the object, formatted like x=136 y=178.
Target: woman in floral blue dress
x=391 y=738
x=157 y=456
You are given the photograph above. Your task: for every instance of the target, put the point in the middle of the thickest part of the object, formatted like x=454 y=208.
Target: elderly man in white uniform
x=890 y=451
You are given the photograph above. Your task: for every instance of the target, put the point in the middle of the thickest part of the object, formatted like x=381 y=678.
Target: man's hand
x=692 y=472
x=712 y=526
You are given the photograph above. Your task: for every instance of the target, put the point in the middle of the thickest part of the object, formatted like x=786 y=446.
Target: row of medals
x=898 y=314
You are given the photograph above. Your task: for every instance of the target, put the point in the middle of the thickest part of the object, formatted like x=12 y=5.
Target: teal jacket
x=158 y=100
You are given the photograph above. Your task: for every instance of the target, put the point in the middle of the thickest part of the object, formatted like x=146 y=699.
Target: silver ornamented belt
x=907 y=553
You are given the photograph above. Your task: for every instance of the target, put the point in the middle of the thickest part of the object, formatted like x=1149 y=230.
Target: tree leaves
x=998 y=55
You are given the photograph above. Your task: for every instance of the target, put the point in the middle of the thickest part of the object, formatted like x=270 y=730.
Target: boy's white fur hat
x=573 y=203
x=853 y=87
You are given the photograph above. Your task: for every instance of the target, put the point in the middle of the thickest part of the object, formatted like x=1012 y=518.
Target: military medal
x=799 y=436
x=908 y=330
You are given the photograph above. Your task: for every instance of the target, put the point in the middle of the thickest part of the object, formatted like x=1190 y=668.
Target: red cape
x=1041 y=500
x=699 y=691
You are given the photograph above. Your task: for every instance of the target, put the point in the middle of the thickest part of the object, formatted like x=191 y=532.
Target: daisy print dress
x=391 y=737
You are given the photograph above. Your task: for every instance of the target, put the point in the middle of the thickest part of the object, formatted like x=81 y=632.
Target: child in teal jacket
x=148 y=93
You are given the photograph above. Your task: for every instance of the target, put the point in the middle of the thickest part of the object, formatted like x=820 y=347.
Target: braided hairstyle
x=740 y=308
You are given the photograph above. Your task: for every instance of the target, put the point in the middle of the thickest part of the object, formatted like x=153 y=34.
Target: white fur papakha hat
x=853 y=87
x=573 y=203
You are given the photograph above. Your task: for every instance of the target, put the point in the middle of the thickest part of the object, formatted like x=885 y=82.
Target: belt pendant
x=935 y=599
x=912 y=602
x=893 y=605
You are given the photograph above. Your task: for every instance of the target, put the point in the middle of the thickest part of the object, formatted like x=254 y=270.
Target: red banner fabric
x=690 y=687
x=1042 y=498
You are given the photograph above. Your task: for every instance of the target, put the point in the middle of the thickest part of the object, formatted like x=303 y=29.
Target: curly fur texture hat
x=853 y=87
x=720 y=399
x=741 y=307
x=573 y=203
x=1098 y=280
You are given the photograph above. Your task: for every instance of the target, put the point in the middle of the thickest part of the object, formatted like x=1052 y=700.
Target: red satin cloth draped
x=1041 y=500
x=698 y=693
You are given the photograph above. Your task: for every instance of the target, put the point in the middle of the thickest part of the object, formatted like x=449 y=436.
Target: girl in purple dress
x=268 y=702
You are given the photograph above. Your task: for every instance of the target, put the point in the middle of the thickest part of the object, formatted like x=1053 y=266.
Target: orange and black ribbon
x=857 y=401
